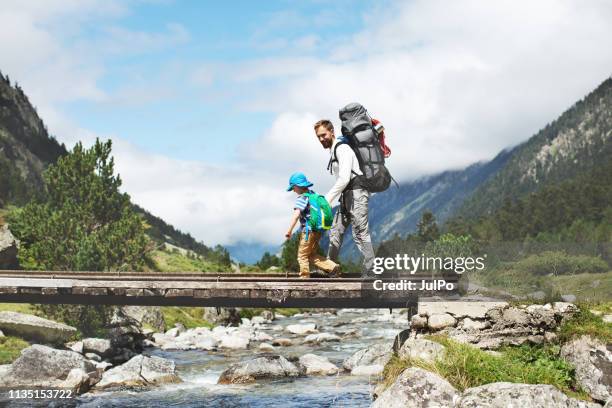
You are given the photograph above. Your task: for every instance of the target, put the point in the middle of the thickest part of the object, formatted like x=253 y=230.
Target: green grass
x=168 y=261
x=586 y=323
x=10 y=348
x=17 y=307
x=465 y=366
x=190 y=317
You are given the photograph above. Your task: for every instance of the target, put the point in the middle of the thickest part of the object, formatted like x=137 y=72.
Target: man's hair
x=324 y=122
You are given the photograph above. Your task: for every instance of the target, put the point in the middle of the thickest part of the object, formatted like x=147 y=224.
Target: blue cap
x=298 y=179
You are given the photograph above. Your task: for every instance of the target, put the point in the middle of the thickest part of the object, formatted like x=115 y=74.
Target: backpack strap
x=334 y=158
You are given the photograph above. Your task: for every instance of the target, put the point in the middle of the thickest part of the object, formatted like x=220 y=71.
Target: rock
x=151 y=315
x=593 y=363
x=564 y=308
x=1 y=334
x=596 y=312
x=258 y=368
x=267 y=315
x=8 y=249
x=513 y=316
x=376 y=355
x=422 y=349
x=302 y=329
x=415 y=388
x=607 y=318
x=125 y=332
x=568 y=298
x=320 y=338
x=234 y=342
x=245 y=322
x=282 y=341
x=368 y=370
x=503 y=394
x=76 y=346
x=77 y=381
x=221 y=316
x=258 y=320
x=261 y=336
x=266 y=347
x=418 y=322
x=173 y=332
x=93 y=357
x=473 y=310
x=205 y=343
x=314 y=364
x=35 y=328
x=43 y=366
x=140 y=371
x=441 y=321
x=101 y=347
x=103 y=365
x=469 y=324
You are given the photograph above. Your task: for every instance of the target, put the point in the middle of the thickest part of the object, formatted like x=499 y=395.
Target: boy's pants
x=353 y=210
x=308 y=252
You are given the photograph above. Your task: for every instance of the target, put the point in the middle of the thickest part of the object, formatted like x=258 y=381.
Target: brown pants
x=308 y=252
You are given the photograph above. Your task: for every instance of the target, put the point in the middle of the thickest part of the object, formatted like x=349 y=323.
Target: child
x=314 y=214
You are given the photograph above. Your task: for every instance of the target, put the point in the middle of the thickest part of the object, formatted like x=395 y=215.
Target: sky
x=210 y=105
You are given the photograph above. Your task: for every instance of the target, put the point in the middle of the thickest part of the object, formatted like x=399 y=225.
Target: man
x=353 y=199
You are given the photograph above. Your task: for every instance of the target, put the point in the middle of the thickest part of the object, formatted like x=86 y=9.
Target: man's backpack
x=360 y=132
x=321 y=216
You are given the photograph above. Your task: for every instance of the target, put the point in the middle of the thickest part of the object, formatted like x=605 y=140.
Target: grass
x=190 y=317
x=586 y=323
x=17 y=307
x=465 y=366
x=169 y=261
x=10 y=348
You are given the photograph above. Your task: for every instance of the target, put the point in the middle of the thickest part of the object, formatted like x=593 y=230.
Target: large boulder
x=149 y=315
x=101 y=347
x=593 y=363
x=264 y=367
x=416 y=388
x=42 y=366
x=503 y=394
x=140 y=371
x=125 y=332
x=8 y=249
x=370 y=360
x=440 y=321
x=221 y=315
x=421 y=349
x=35 y=328
x=314 y=364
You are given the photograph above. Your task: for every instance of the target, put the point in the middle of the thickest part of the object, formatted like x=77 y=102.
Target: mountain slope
x=575 y=143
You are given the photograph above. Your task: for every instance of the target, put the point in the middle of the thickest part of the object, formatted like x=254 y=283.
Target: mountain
x=27 y=149
x=251 y=252
x=575 y=143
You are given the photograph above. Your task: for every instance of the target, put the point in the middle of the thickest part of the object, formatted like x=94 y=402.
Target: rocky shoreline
x=123 y=361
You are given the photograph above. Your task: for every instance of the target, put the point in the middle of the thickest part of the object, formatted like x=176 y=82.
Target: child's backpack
x=321 y=216
x=366 y=137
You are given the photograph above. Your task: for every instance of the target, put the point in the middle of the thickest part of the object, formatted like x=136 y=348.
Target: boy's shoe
x=336 y=273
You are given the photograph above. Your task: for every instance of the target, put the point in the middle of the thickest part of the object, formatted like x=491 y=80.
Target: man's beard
x=327 y=143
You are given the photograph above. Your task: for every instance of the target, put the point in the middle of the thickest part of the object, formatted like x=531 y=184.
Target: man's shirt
x=344 y=168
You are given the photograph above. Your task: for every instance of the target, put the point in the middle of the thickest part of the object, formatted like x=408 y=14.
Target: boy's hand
x=288 y=234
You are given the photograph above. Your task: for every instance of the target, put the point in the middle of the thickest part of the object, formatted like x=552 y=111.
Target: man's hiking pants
x=353 y=211
x=308 y=251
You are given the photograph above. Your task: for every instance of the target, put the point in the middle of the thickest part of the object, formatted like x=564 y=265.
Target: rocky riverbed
x=322 y=359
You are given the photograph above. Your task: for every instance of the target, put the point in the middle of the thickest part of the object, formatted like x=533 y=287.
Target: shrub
x=560 y=263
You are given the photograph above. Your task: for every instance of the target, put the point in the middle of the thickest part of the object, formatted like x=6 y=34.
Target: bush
x=10 y=348
x=560 y=263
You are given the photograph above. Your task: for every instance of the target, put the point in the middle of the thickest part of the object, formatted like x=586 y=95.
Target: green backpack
x=321 y=216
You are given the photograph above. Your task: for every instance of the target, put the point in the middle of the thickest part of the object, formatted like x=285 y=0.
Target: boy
x=309 y=237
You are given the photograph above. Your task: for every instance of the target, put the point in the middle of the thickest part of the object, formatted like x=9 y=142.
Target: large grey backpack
x=359 y=132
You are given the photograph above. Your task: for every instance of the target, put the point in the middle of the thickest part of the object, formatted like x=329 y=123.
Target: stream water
x=200 y=370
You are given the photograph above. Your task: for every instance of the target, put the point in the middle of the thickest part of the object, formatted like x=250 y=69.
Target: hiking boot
x=336 y=272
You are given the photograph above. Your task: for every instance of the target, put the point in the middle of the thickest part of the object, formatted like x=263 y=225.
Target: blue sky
x=165 y=109
x=210 y=105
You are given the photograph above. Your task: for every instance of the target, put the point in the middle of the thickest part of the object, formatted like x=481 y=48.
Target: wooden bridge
x=194 y=289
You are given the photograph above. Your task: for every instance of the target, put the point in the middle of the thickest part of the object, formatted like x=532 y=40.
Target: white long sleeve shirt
x=344 y=168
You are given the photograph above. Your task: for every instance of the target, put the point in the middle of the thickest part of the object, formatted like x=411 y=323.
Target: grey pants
x=353 y=210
